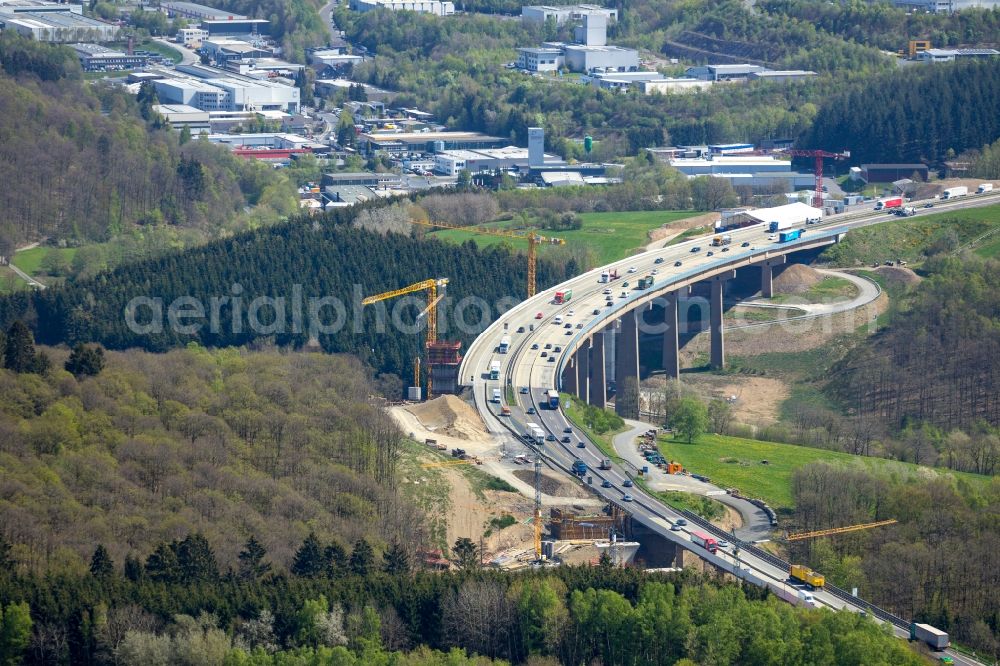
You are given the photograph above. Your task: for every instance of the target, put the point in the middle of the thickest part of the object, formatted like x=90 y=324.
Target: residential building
x=563 y=13
x=949 y=55
x=436 y=7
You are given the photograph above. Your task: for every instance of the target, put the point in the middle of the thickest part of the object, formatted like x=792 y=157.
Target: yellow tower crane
x=533 y=241
x=838 y=530
x=431 y=287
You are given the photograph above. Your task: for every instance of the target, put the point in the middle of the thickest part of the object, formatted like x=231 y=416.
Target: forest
x=106 y=170
x=267 y=286
x=918 y=114
x=227 y=443
x=943 y=525
x=570 y=615
x=295 y=24
x=938 y=362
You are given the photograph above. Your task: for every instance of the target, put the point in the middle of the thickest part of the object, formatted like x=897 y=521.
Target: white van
x=496 y=396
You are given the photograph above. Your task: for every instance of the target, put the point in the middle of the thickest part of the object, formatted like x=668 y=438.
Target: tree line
x=916 y=114
x=565 y=615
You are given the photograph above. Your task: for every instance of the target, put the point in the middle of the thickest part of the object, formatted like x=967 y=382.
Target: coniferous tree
x=466 y=552
x=309 y=561
x=196 y=559
x=252 y=564
x=85 y=361
x=133 y=568
x=162 y=565
x=362 y=558
x=19 y=351
x=396 y=560
x=336 y=560
x=101 y=565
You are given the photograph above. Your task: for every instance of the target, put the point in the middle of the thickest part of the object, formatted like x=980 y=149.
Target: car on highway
x=534 y=345
x=530 y=410
x=631 y=269
x=580 y=325
x=681 y=522
x=624 y=294
x=710 y=254
x=566 y=439
x=557 y=349
x=523 y=390
x=569 y=332
x=567 y=429
x=772 y=237
x=745 y=244
x=570 y=313
x=654 y=271
x=725 y=249
x=626 y=497
x=625 y=284
x=544 y=354
x=552 y=359
x=606 y=484
x=659 y=260
x=539 y=315
x=675 y=528
x=568 y=325
x=678 y=263
x=606 y=291
x=627 y=483
x=548 y=345
x=581 y=444
x=695 y=249
x=596 y=311
x=557 y=319
x=722 y=543
x=928 y=205
x=520 y=329
x=550 y=437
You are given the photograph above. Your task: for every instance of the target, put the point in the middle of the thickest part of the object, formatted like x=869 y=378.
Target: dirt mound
x=551 y=485
x=796 y=279
x=898 y=275
x=450 y=415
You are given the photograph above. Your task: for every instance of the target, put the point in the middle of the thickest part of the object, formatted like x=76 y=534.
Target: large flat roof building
x=723 y=72
x=563 y=13
x=729 y=164
x=193 y=10
x=96 y=58
x=647 y=83
x=211 y=89
x=430 y=142
x=436 y=7
x=948 y=55
x=62 y=27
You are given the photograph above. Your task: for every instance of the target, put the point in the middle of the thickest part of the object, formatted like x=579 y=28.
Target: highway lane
x=525 y=366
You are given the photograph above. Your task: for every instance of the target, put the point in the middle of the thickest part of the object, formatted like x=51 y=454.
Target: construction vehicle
x=533 y=241
x=431 y=287
x=674 y=468
x=806 y=575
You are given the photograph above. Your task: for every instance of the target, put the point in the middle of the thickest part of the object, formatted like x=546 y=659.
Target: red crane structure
x=820 y=155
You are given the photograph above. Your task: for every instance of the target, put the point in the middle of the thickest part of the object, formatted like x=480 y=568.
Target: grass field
x=825 y=291
x=612 y=236
x=10 y=281
x=30 y=261
x=734 y=462
x=604 y=442
x=910 y=238
x=162 y=49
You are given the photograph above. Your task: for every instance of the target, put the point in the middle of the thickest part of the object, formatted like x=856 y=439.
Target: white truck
x=954 y=192
x=535 y=433
x=937 y=639
x=496 y=395
x=984 y=188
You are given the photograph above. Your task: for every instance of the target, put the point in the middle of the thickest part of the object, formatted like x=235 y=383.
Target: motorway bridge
x=585 y=354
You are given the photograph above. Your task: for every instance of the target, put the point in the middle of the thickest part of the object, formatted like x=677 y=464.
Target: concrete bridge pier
x=718 y=354
x=583 y=371
x=671 y=336
x=598 y=381
x=627 y=352
x=767 y=274
x=569 y=376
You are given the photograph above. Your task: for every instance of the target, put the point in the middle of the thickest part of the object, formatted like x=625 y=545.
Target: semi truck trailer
x=806 y=575
x=954 y=193
x=936 y=638
x=891 y=202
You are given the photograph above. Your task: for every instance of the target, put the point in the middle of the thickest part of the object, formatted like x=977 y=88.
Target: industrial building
x=950 y=55
x=564 y=13
x=211 y=89
x=181 y=115
x=236 y=27
x=436 y=7
x=646 y=83
x=190 y=35
x=57 y=26
x=591 y=53
x=890 y=173
x=333 y=57
x=191 y=10
x=221 y=50
x=946 y=6
x=96 y=58
x=782 y=75
x=723 y=72
x=451 y=162
x=426 y=142
x=267 y=146
x=751 y=171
